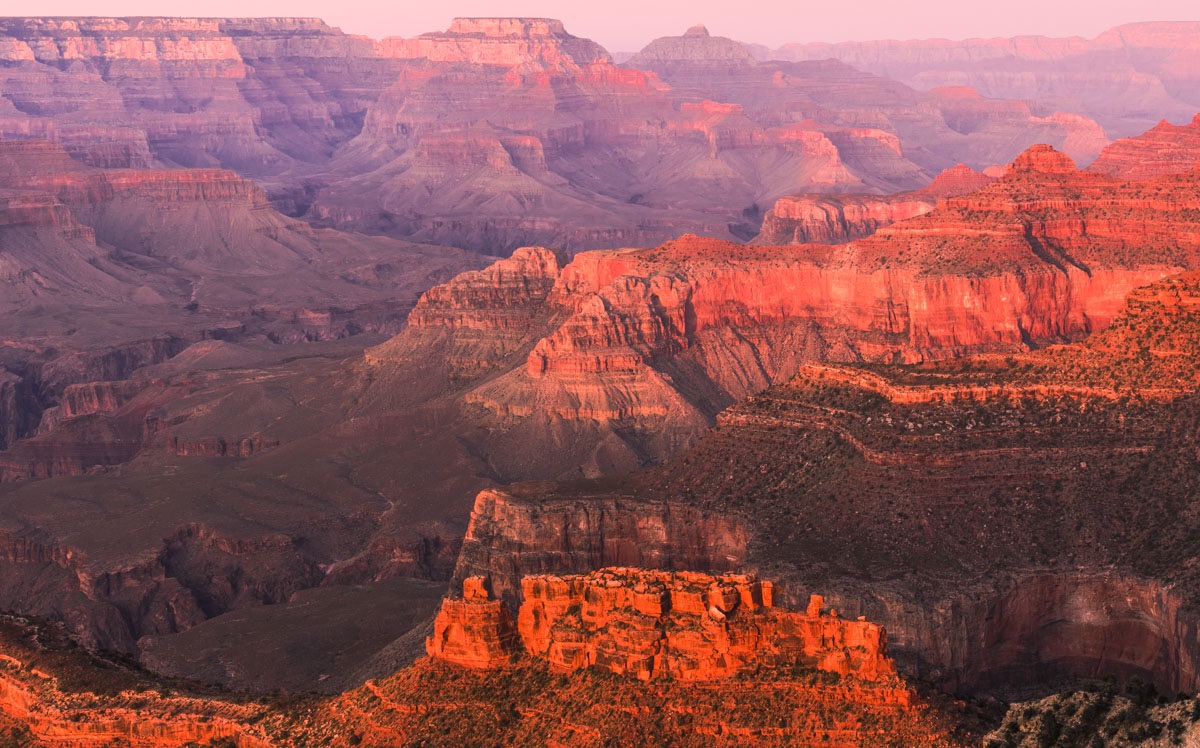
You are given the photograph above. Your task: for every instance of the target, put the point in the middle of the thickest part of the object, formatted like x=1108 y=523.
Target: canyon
x=1015 y=521
x=535 y=368
x=108 y=270
x=1126 y=78
x=301 y=329
x=497 y=133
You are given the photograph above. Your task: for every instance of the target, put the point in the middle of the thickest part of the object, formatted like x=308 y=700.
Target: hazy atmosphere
x=626 y=25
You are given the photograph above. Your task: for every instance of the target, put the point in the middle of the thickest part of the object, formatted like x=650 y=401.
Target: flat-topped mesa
x=687 y=626
x=160 y=40
x=507 y=42
x=501 y=27
x=1164 y=149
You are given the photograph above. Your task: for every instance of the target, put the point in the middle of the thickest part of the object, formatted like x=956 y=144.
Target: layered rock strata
x=498 y=132
x=672 y=335
x=687 y=626
x=837 y=219
x=1015 y=521
x=1164 y=149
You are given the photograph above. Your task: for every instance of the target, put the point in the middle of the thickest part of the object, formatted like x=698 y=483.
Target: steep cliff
x=674 y=334
x=503 y=42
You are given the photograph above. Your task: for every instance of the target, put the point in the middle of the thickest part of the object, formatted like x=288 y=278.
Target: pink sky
x=626 y=25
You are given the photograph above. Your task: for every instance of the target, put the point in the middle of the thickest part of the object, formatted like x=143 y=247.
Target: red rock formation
x=687 y=626
x=54 y=693
x=1010 y=474
x=1165 y=149
x=684 y=625
x=480 y=318
x=836 y=219
x=474 y=631
x=654 y=342
x=513 y=534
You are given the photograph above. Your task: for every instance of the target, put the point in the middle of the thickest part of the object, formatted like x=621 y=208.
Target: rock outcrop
x=837 y=219
x=643 y=336
x=52 y=692
x=686 y=626
x=503 y=42
x=514 y=533
x=697 y=46
x=474 y=630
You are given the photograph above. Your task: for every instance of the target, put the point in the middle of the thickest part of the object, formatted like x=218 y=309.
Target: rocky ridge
x=1164 y=149
x=837 y=219
x=641 y=335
